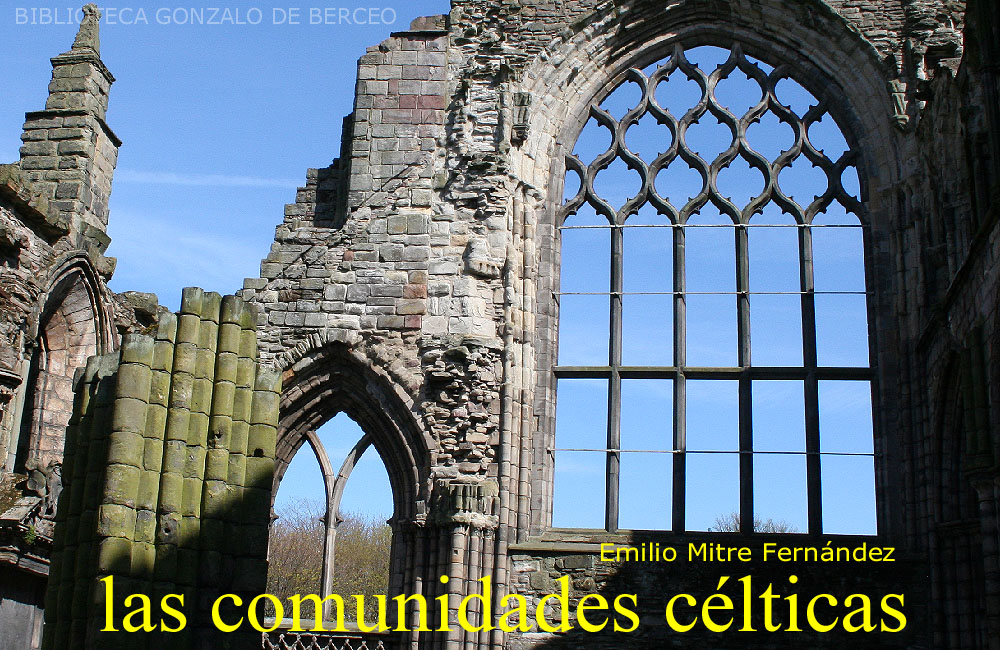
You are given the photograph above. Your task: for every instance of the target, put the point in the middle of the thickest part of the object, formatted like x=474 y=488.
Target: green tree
x=361 y=561
x=730 y=523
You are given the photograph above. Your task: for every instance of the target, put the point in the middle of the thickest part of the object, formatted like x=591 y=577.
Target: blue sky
x=220 y=123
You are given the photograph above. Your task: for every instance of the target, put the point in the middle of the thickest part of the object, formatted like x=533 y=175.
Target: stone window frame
x=328 y=377
x=809 y=372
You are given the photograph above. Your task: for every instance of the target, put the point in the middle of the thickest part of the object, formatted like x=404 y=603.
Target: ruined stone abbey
x=425 y=284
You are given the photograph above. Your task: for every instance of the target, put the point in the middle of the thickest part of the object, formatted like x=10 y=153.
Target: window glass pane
x=578 y=493
x=582 y=414
x=583 y=330
x=841 y=330
x=780 y=498
x=825 y=135
x=711 y=330
x=838 y=258
x=647 y=138
x=836 y=215
x=845 y=417
x=791 y=94
x=778 y=416
x=622 y=99
x=774 y=257
x=594 y=140
x=850 y=181
x=776 y=330
x=647 y=414
x=571 y=185
x=645 y=491
x=770 y=137
x=713 y=415
x=738 y=93
x=740 y=182
x=647 y=330
x=617 y=183
x=586 y=215
x=586 y=260
x=849 y=495
x=713 y=489
x=648 y=216
x=710 y=257
x=707 y=57
x=368 y=491
x=708 y=137
x=648 y=259
x=802 y=182
x=303 y=479
x=678 y=93
x=678 y=183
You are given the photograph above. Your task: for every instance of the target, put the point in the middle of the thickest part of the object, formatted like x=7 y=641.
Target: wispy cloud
x=162 y=257
x=217 y=180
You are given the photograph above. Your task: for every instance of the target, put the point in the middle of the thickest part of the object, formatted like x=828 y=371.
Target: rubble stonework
x=411 y=285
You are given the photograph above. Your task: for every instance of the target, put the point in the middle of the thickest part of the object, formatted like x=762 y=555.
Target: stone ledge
x=30 y=204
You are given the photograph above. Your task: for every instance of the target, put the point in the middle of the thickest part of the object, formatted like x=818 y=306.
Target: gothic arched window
x=713 y=365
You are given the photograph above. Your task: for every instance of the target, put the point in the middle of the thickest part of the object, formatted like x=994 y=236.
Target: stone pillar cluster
x=168 y=468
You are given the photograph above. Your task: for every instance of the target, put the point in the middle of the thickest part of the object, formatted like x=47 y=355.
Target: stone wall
x=428 y=255
x=411 y=285
x=168 y=470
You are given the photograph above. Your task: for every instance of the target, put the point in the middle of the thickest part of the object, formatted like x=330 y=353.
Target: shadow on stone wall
x=655 y=583
x=168 y=468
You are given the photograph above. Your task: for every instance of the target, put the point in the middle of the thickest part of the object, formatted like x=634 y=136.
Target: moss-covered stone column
x=169 y=465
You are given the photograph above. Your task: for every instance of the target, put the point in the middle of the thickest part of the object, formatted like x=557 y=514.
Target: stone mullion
x=745 y=385
x=680 y=383
x=615 y=384
x=814 y=464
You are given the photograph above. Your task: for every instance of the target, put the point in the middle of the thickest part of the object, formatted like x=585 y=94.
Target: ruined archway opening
x=68 y=334
x=330 y=531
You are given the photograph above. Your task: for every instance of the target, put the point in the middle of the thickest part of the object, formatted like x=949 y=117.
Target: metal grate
x=308 y=641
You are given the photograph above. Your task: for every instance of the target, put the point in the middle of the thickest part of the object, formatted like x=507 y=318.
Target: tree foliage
x=361 y=559
x=730 y=523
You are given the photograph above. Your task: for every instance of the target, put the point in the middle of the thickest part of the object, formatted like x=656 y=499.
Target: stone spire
x=89 y=37
x=69 y=152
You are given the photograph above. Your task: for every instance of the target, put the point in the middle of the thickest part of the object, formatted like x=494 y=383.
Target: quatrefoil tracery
x=709 y=170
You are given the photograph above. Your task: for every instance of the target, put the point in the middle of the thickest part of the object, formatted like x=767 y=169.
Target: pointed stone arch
x=821 y=50
x=332 y=379
x=73 y=324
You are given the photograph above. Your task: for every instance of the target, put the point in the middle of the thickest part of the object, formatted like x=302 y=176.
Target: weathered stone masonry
x=438 y=271
x=411 y=285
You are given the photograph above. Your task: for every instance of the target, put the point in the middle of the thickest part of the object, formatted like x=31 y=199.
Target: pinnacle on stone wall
x=89 y=38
